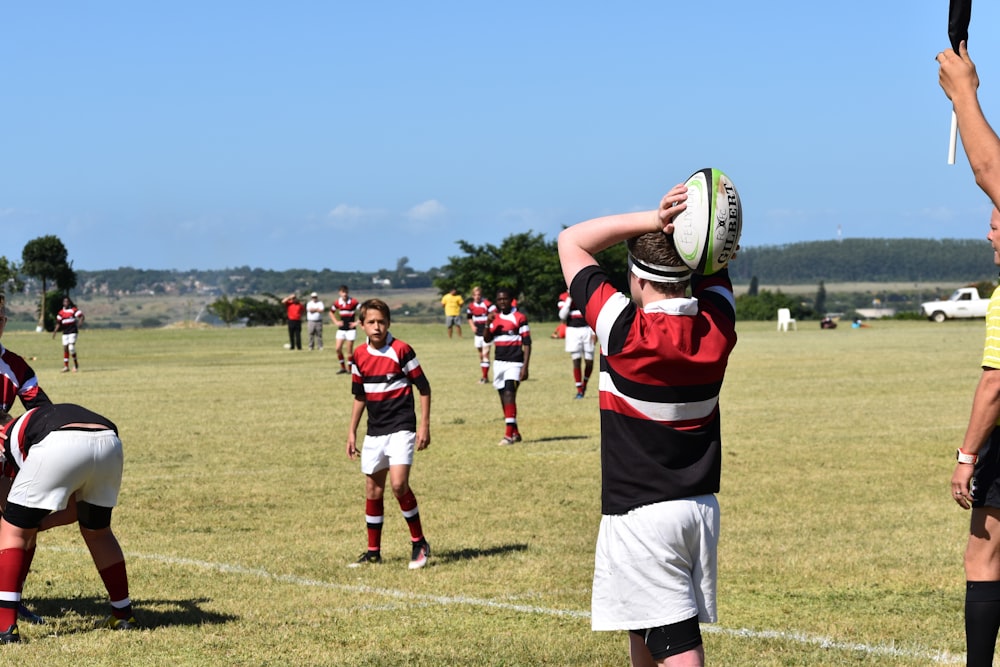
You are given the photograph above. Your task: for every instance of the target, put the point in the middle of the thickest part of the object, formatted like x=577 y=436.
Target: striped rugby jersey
x=510 y=334
x=384 y=379
x=661 y=373
x=478 y=313
x=575 y=316
x=345 y=309
x=18 y=380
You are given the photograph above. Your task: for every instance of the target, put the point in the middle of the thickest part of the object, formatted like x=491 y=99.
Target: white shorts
x=381 y=451
x=480 y=343
x=580 y=342
x=87 y=462
x=347 y=334
x=657 y=565
x=68 y=339
x=503 y=371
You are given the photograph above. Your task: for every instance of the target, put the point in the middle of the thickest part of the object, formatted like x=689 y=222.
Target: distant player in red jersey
x=579 y=342
x=294 y=310
x=663 y=362
x=342 y=315
x=58 y=454
x=508 y=331
x=478 y=311
x=384 y=373
x=68 y=321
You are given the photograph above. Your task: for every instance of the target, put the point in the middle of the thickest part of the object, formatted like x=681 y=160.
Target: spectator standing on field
x=478 y=312
x=664 y=357
x=315 y=311
x=452 y=302
x=293 y=311
x=975 y=482
x=342 y=314
x=579 y=342
x=57 y=453
x=508 y=330
x=384 y=372
x=68 y=321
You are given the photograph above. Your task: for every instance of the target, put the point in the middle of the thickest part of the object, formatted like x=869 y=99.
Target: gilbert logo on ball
x=707 y=232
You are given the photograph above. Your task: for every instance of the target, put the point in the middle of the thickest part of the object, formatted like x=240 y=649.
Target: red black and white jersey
x=384 y=378
x=68 y=319
x=18 y=380
x=510 y=334
x=345 y=309
x=661 y=374
x=575 y=316
x=31 y=428
x=479 y=313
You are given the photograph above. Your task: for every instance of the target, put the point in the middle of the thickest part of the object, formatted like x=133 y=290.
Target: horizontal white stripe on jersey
x=395 y=384
x=661 y=412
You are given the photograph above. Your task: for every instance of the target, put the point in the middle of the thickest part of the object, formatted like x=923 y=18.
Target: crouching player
x=54 y=452
x=663 y=363
x=384 y=372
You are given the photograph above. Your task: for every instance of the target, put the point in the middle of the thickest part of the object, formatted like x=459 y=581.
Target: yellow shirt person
x=452 y=302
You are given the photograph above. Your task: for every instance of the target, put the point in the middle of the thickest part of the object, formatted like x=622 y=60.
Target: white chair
x=785 y=318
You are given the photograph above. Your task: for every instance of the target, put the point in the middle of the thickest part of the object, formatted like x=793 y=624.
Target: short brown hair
x=658 y=248
x=375 y=304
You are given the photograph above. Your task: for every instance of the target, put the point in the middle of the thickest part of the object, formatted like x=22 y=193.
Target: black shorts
x=986 y=478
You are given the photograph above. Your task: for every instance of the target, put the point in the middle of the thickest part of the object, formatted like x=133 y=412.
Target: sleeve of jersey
x=357 y=382
x=414 y=371
x=717 y=291
x=608 y=312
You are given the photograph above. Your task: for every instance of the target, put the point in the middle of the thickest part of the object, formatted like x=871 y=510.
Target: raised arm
x=958 y=78
x=580 y=243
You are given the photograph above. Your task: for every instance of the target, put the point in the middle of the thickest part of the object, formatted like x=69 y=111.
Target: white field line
x=938 y=657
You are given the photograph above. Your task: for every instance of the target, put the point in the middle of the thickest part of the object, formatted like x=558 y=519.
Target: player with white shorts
x=656 y=565
x=580 y=343
x=379 y=452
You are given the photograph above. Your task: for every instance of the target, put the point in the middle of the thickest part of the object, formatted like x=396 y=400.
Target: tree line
x=526 y=263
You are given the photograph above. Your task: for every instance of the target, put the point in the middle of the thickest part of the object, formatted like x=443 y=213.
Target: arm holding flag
x=958 y=78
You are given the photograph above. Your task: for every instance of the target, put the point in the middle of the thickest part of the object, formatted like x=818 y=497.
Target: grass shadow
x=454 y=555
x=560 y=438
x=149 y=613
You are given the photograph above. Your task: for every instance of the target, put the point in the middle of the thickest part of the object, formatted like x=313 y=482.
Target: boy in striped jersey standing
x=507 y=329
x=384 y=372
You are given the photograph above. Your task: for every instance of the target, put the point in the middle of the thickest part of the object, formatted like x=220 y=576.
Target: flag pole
x=953 y=144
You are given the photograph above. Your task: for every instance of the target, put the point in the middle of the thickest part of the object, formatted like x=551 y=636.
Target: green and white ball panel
x=708 y=231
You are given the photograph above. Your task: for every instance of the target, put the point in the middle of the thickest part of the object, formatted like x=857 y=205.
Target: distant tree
x=525 y=263
x=261 y=313
x=752 y=290
x=225 y=310
x=45 y=258
x=819 y=305
x=765 y=306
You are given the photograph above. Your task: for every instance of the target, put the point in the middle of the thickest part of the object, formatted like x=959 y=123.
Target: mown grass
x=240 y=510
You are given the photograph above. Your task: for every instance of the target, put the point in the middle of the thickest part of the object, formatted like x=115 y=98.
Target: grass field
x=239 y=509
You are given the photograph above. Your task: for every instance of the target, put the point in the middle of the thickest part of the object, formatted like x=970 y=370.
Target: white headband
x=657 y=272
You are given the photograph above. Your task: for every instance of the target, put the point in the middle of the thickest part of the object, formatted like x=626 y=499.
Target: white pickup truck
x=964 y=302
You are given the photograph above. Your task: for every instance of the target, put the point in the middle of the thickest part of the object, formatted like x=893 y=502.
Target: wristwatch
x=966 y=458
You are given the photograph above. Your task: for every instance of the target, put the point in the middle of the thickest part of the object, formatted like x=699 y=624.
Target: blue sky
x=343 y=135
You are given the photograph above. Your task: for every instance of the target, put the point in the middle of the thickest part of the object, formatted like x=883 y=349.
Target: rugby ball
x=707 y=232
